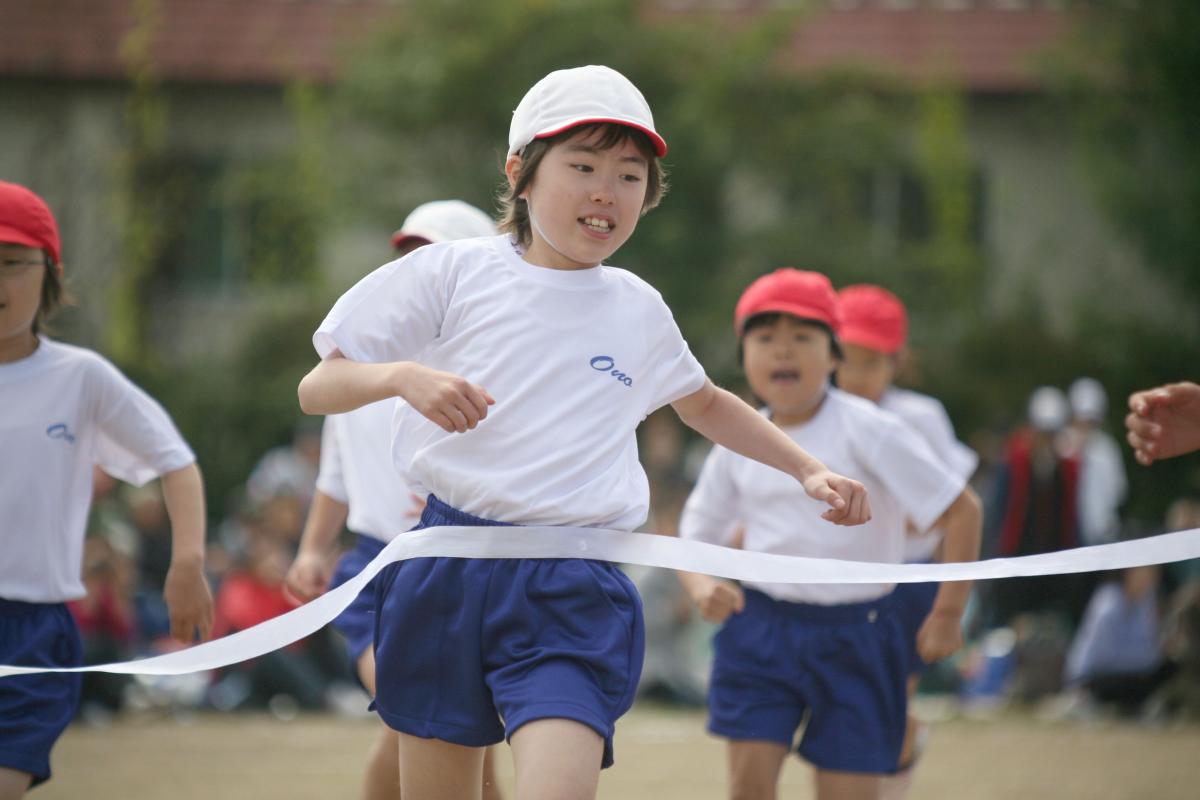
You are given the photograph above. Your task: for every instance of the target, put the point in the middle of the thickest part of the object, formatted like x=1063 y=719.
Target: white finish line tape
x=631 y=548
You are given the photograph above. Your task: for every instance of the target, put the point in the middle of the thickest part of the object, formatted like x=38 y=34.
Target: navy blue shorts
x=470 y=649
x=357 y=622
x=842 y=667
x=36 y=709
x=914 y=601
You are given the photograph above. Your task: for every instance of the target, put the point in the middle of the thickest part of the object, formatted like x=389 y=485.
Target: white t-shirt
x=929 y=418
x=64 y=410
x=357 y=469
x=574 y=359
x=852 y=437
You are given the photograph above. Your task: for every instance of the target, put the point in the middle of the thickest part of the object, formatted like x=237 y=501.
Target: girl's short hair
x=54 y=295
x=514 y=213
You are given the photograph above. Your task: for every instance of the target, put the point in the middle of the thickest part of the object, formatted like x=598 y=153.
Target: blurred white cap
x=444 y=221
x=1048 y=409
x=567 y=98
x=1089 y=401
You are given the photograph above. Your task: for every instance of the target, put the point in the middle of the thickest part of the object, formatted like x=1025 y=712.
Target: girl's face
x=865 y=372
x=788 y=363
x=22 y=271
x=583 y=202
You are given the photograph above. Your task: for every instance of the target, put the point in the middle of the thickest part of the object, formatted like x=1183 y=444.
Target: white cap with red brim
x=444 y=221
x=568 y=98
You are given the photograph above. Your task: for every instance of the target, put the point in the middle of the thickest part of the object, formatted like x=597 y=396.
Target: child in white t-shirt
x=834 y=655
x=527 y=365
x=66 y=410
x=874 y=335
x=358 y=487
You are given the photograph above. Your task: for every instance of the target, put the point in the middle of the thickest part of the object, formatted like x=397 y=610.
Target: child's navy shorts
x=357 y=622
x=914 y=601
x=470 y=649
x=842 y=668
x=35 y=709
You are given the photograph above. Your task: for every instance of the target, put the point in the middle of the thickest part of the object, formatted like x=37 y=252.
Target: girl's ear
x=512 y=170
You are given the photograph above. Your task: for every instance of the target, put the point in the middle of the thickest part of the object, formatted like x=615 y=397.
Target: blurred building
x=225 y=66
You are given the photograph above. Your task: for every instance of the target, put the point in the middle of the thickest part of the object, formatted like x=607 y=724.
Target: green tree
x=1139 y=119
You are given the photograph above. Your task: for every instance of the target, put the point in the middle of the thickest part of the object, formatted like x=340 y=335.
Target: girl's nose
x=603 y=192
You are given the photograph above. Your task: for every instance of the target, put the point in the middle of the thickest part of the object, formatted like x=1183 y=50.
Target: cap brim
x=10 y=235
x=872 y=340
x=660 y=144
x=401 y=238
x=803 y=312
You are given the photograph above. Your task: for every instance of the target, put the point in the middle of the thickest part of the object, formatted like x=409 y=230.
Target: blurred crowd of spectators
x=126 y=558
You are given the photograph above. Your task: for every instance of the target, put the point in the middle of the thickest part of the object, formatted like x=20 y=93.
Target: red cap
x=873 y=317
x=25 y=219
x=807 y=295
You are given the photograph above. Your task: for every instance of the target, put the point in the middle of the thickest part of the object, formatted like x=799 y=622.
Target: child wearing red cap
x=874 y=335
x=834 y=655
x=67 y=410
x=358 y=486
x=545 y=653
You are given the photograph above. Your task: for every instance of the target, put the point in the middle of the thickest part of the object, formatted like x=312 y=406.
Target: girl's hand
x=450 y=401
x=847 y=499
x=189 y=602
x=308 y=577
x=717 y=599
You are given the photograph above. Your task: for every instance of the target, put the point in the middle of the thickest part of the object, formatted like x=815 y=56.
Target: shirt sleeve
x=393 y=313
x=935 y=425
x=331 y=480
x=677 y=373
x=712 y=511
x=904 y=462
x=136 y=440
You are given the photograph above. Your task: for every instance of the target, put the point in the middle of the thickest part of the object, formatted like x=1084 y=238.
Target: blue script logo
x=59 y=430
x=606 y=364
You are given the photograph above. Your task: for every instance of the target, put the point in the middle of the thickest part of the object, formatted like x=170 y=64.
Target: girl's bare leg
x=557 y=759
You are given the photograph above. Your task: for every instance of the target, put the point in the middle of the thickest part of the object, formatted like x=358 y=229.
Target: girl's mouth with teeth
x=596 y=225
x=785 y=375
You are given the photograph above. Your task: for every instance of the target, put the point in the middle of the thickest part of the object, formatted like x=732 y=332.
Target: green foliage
x=194 y=227
x=140 y=201
x=1139 y=122
x=232 y=410
x=1127 y=77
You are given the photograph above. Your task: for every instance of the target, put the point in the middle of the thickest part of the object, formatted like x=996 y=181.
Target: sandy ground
x=661 y=755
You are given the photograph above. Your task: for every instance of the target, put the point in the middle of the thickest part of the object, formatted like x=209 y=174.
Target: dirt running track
x=661 y=755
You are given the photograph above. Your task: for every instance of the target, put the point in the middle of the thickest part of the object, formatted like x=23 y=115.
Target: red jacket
x=1016 y=506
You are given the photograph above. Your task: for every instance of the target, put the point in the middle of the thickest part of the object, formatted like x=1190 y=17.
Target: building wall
x=66 y=139
x=1044 y=227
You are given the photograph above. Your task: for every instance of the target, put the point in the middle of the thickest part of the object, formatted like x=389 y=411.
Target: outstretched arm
x=725 y=419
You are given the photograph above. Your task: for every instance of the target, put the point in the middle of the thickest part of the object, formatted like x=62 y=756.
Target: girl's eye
x=581 y=168
x=631 y=178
